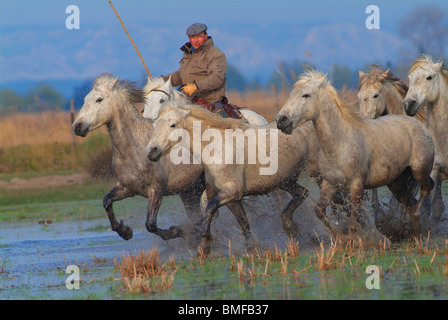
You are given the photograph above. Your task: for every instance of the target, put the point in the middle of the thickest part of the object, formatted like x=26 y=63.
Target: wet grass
x=406 y=272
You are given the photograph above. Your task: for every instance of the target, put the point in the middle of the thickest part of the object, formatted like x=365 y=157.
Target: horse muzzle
x=154 y=154
x=80 y=129
x=285 y=124
x=411 y=107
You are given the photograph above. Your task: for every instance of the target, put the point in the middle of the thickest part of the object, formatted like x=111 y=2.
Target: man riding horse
x=202 y=72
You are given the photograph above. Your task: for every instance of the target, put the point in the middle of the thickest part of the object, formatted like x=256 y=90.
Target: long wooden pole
x=135 y=47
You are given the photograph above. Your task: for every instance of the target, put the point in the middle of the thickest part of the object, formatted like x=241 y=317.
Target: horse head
x=300 y=106
x=426 y=80
x=371 y=93
x=157 y=91
x=95 y=111
x=108 y=94
x=167 y=129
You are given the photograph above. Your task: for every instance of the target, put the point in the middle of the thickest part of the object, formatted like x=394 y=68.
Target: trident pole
x=135 y=47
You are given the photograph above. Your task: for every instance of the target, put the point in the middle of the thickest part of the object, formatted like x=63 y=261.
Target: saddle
x=222 y=108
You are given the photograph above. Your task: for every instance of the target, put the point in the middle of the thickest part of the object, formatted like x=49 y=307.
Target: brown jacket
x=207 y=67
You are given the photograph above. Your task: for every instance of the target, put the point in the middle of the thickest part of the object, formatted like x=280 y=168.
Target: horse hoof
x=125 y=232
x=175 y=232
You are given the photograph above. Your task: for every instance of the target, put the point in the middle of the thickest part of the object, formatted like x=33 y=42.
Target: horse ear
x=184 y=113
x=384 y=74
x=360 y=73
x=167 y=85
x=439 y=65
x=111 y=85
x=322 y=80
x=169 y=82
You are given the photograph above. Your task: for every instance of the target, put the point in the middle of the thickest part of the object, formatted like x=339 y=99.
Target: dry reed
x=143 y=272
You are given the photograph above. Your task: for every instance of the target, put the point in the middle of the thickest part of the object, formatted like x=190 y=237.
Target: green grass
x=54 y=203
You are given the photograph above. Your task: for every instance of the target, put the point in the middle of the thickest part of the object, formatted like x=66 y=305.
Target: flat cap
x=196 y=28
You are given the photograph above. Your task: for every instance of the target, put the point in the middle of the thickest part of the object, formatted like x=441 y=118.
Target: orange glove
x=190 y=88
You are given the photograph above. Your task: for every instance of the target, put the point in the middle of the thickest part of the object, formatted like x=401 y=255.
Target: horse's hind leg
x=401 y=191
x=119 y=192
x=437 y=205
x=192 y=202
x=238 y=211
x=298 y=194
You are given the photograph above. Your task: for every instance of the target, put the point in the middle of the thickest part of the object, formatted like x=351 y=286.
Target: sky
x=35 y=44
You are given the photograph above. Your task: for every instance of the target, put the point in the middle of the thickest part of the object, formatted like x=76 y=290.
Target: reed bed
x=143 y=272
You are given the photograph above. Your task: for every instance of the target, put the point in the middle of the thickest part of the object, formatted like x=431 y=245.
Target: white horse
x=428 y=85
x=157 y=91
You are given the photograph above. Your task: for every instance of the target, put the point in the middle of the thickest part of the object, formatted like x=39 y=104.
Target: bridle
x=159 y=90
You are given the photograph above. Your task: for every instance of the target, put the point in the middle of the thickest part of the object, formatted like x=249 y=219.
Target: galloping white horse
x=428 y=85
x=157 y=91
x=359 y=154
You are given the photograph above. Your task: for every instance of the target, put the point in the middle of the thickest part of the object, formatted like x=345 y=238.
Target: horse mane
x=426 y=59
x=197 y=112
x=377 y=75
x=126 y=88
x=153 y=83
x=347 y=113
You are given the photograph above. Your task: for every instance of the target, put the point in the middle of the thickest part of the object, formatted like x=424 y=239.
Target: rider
x=202 y=70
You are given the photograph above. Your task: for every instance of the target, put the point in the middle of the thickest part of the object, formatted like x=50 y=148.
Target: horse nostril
x=282 y=119
x=152 y=153
x=78 y=128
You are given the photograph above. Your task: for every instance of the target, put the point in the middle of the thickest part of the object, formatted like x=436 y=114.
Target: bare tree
x=426 y=27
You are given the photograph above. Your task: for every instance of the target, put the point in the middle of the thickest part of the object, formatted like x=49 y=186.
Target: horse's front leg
x=119 y=192
x=154 y=201
x=356 y=194
x=326 y=195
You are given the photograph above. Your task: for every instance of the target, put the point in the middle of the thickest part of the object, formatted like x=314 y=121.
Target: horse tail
x=412 y=184
x=405 y=188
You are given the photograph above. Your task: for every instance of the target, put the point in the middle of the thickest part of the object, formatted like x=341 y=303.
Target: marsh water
x=34 y=257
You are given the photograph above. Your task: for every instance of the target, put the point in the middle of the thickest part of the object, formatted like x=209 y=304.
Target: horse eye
x=375 y=96
x=161 y=101
x=429 y=78
x=306 y=95
x=99 y=100
x=173 y=125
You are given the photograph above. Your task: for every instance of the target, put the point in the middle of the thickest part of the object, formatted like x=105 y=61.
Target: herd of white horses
x=398 y=139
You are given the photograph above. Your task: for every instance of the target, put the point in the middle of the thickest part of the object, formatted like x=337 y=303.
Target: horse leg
x=298 y=194
x=238 y=211
x=326 y=195
x=437 y=205
x=210 y=210
x=192 y=203
x=356 y=194
x=424 y=202
x=400 y=190
x=118 y=192
x=154 y=201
